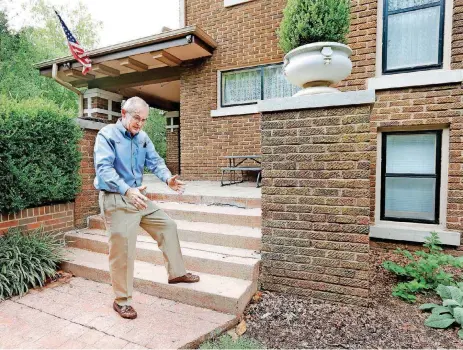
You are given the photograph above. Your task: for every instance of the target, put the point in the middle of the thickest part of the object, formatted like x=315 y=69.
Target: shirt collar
x=123 y=130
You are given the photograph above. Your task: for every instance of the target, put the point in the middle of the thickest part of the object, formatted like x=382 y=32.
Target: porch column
x=316 y=195
x=100 y=108
x=173 y=141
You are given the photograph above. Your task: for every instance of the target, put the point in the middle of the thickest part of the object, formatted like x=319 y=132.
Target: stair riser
x=183 y=295
x=231 y=241
x=247 y=203
x=235 y=220
x=213 y=267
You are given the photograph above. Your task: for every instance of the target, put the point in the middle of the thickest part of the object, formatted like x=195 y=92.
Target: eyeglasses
x=138 y=119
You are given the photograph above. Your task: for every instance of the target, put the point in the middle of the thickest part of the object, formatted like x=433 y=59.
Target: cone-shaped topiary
x=310 y=21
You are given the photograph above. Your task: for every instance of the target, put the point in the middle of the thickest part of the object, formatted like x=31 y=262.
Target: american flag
x=77 y=51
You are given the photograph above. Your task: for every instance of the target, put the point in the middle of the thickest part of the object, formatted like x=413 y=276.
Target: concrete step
x=207 y=233
x=212 y=214
x=224 y=294
x=239 y=202
x=216 y=260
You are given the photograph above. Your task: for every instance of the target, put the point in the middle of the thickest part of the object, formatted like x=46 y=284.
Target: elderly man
x=122 y=150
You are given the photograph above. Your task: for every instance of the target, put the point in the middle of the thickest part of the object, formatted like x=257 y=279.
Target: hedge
x=39 y=155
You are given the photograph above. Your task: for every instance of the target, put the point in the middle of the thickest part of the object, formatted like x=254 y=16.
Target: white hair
x=134 y=105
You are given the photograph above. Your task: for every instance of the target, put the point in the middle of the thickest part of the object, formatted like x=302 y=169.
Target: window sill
x=423 y=78
x=411 y=232
x=228 y=3
x=235 y=110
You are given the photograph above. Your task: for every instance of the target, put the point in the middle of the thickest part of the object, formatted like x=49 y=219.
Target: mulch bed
x=286 y=321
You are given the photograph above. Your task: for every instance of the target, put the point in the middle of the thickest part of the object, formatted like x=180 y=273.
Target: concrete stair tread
x=210 y=209
x=206 y=251
x=210 y=284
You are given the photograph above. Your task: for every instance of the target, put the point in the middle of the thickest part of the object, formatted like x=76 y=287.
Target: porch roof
x=148 y=67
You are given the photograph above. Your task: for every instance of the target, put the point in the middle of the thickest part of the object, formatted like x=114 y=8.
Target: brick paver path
x=78 y=314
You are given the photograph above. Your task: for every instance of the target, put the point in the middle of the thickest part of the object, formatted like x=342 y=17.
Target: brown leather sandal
x=125 y=311
x=188 y=278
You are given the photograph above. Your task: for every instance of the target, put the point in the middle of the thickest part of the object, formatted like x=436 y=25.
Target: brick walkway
x=78 y=314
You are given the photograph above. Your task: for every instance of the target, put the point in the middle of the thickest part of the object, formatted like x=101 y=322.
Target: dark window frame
x=261 y=68
x=437 y=176
x=386 y=13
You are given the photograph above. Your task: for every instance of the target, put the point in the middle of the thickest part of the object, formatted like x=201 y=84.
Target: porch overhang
x=149 y=67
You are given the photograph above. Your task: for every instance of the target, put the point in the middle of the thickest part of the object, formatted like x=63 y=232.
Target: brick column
x=315 y=197
x=100 y=108
x=173 y=141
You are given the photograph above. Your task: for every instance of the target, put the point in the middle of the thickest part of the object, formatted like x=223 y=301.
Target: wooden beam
x=152 y=76
x=102 y=69
x=74 y=73
x=167 y=58
x=132 y=63
x=153 y=101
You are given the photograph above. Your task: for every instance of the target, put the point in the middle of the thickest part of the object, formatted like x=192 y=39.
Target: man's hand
x=177 y=185
x=136 y=198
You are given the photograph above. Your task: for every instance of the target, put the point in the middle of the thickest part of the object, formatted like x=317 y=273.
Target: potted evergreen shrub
x=313 y=34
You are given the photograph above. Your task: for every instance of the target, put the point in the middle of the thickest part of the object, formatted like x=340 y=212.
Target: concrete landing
x=79 y=315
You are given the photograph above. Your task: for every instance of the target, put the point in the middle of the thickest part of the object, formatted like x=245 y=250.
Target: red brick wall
x=246 y=36
x=173 y=152
x=315 y=203
x=86 y=203
x=53 y=218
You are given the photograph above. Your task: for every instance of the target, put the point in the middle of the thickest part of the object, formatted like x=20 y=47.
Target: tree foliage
x=40 y=40
x=309 y=21
x=156 y=129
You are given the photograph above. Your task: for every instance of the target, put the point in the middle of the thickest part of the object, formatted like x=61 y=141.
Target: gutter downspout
x=54 y=75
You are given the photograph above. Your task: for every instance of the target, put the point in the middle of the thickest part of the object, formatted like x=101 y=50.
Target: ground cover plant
x=424 y=270
x=27 y=259
x=226 y=342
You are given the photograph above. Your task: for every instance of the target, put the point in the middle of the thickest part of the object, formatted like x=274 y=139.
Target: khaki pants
x=123 y=221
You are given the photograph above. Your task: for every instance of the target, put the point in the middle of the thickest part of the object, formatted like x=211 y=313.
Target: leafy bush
x=39 y=155
x=27 y=260
x=451 y=310
x=309 y=21
x=156 y=129
x=425 y=271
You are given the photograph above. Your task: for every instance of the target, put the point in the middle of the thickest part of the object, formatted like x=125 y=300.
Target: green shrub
x=156 y=129
x=39 y=155
x=226 y=342
x=425 y=270
x=309 y=21
x=27 y=259
x=451 y=310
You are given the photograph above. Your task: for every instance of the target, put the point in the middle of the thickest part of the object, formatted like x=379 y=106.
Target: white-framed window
x=411 y=176
x=245 y=86
x=413 y=35
x=411 y=188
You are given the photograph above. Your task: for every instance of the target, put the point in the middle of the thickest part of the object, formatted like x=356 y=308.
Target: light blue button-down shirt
x=120 y=159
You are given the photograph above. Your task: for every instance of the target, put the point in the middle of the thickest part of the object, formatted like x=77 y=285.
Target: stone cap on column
x=350 y=98
x=102 y=106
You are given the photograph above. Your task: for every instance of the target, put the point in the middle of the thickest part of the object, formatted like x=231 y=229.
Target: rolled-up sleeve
x=104 y=155
x=155 y=163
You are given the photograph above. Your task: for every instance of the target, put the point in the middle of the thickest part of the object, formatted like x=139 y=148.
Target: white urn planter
x=314 y=67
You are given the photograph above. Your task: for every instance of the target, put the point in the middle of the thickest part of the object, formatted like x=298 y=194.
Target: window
x=413 y=35
x=249 y=85
x=410 y=176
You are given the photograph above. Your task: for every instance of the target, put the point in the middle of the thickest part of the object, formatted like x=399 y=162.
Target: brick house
x=408 y=52
x=342 y=172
